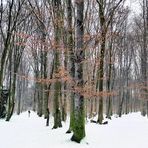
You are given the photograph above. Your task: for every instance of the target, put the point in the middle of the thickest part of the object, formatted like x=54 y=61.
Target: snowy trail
x=130 y=131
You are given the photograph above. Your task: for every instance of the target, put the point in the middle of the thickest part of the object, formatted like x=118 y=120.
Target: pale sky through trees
x=134 y=5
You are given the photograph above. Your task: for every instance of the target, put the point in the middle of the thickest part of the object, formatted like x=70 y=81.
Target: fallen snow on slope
x=130 y=131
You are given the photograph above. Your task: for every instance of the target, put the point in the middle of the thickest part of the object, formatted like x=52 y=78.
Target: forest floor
x=129 y=131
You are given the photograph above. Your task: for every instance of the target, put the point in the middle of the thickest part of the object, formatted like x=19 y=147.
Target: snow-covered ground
x=130 y=131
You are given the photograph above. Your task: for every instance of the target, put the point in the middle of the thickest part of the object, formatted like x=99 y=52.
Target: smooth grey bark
x=70 y=45
x=57 y=85
x=79 y=113
x=144 y=60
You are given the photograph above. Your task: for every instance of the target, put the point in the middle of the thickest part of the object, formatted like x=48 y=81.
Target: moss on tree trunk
x=79 y=114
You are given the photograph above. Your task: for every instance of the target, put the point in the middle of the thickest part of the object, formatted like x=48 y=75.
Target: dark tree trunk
x=79 y=113
x=71 y=59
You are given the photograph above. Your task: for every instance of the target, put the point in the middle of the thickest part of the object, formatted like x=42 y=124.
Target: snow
x=129 y=131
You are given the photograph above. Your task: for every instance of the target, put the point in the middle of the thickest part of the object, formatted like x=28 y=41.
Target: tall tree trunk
x=45 y=71
x=79 y=114
x=109 y=98
x=71 y=59
x=101 y=58
x=101 y=74
x=57 y=86
x=144 y=60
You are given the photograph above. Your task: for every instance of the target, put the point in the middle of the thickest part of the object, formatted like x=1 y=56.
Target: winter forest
x=82 y=63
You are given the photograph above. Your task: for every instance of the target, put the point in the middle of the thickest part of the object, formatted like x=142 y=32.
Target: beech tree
x=70 y=46
x=106 y=13
x=10 y=52
x=79 y=113
x=58 y=26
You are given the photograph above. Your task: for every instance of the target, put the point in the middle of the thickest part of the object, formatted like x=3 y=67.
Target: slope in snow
x=130 y=131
